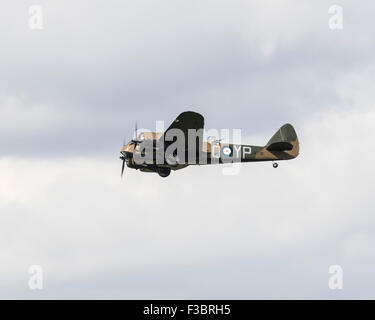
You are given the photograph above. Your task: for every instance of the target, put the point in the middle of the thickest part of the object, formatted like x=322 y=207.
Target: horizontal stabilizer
x=280 y=146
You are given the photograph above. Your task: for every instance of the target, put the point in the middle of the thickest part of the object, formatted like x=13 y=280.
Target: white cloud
x=78 y=220
x=18 y=116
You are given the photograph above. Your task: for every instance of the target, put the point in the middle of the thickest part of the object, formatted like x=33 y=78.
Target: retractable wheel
x=164 y=172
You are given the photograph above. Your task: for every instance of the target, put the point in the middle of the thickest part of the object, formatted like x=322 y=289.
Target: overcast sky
x=70 y=92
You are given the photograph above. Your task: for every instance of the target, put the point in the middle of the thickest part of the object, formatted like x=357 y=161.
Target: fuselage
x=210 y=153
x=182 y=145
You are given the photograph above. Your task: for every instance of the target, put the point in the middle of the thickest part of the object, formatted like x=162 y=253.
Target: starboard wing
x=185 y=121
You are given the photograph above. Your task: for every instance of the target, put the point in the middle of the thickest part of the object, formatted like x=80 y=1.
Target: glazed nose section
x=126 y=148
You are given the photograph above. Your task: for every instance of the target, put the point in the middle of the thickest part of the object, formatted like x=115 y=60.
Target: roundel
x=227 y=151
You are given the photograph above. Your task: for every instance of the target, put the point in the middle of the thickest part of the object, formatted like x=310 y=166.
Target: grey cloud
x=70 y=93
x=106 y=68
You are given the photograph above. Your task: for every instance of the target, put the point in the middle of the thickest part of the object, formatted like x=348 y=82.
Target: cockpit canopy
x=149 y=135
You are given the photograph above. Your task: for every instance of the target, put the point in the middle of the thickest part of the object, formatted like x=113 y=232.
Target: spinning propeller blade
x=123 y=166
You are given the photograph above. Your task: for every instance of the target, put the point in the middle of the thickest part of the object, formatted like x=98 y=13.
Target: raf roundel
x=227 y=151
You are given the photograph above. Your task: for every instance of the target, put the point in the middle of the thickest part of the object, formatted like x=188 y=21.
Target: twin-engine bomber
x=182 y=145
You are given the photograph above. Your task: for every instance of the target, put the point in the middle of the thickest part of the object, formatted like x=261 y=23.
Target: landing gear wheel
x=275 y=165
x=164 y=172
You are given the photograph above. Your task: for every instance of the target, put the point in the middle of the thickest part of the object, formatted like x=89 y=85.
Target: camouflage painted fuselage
x=283 y=145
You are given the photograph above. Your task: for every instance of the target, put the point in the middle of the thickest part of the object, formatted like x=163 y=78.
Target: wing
x=185 y=121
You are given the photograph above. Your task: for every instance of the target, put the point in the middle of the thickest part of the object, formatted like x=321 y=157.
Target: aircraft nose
x=126 y=148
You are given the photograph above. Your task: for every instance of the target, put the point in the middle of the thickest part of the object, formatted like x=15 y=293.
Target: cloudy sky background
x=69 y=94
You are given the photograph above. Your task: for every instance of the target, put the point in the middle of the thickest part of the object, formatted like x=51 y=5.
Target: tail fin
x=285 y=139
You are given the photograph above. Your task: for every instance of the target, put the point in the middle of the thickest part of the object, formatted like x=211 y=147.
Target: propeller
x=136 y=129
x=123 y=165
x=135 y=141
x=123 y=158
